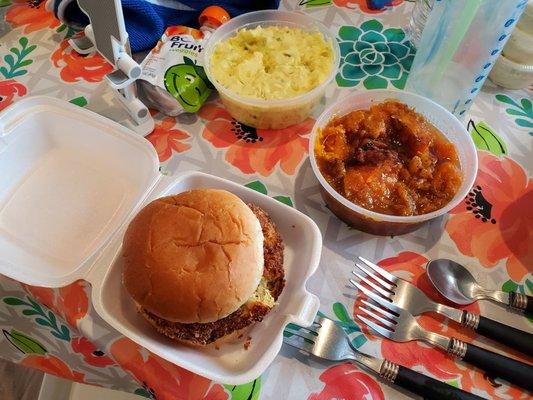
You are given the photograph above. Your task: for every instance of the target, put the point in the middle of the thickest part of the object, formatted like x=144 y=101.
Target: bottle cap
x=214 y=16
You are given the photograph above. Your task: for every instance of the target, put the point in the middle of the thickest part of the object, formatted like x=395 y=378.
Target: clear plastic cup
x=458 y=47
x=270 y=114
x=384 y=224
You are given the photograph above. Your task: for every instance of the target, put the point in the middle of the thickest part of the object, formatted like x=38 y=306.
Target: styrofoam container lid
x=70 y=178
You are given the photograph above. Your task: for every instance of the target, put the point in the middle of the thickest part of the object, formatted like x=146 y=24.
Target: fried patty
x=248 y=313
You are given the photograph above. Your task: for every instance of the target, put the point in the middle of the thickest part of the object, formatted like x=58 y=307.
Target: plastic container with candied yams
x=389 y=161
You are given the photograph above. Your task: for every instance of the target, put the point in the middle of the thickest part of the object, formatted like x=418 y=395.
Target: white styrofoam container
x=71 y=181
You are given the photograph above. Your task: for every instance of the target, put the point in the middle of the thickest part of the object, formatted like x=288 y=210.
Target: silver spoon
x=457 y=284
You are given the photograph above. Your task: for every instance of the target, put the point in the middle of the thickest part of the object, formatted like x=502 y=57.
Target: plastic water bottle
x=418 y=20
x=459 y=45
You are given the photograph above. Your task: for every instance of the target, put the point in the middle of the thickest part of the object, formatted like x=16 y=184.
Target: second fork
x=398 y=324
x=407 y=296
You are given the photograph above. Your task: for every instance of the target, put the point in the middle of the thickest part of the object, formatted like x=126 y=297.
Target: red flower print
x=8 y=90
x=31 y=17
x=162 y=379
x=495 y=221
x=42 y=295
x=411 y=267
x=75 y=67
x=345 y=381
x=165 y=139
x=70 y=302
x=91 y=355
x=363 y=5
x=52 y=365
x=73 y=302
x=256 y=150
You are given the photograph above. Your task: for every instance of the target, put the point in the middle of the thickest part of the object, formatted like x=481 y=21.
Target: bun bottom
x=234 y=326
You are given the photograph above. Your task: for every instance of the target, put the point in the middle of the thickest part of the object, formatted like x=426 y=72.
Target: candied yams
x=389 y=159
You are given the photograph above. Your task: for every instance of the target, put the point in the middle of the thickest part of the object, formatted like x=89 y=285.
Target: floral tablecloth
x=57 y=331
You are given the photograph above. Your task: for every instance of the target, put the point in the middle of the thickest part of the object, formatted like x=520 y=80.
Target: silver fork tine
x=388 y=276
x=375 y=297
x=376 y=327
x=382 y=291
x=303 y=335
x=375 y=277
x=385 y=322
x=381 y=310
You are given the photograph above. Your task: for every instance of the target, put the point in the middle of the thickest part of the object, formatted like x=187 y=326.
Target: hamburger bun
x=193 y=258
x=235 y=325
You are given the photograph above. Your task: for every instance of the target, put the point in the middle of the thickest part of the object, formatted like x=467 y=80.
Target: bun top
x=193 y=257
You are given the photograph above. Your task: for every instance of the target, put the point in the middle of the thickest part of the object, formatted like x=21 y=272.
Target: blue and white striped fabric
x=146 y=20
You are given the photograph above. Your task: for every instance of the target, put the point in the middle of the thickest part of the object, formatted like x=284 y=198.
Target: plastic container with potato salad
x=270 y=114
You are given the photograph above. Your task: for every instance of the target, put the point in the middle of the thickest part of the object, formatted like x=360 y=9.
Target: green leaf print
x=315 y=3
x=17 y=61
x=340 y=312
x=258 y=186
x=143 y=392
x=358 y=341
x=13 y=301
x=69 y=31
x=4 y=3
x=486 y=139
x=524 y=110
x=43 y=318
x=285 y=200
x=79 y=101
x=248 y=391
x=509 y=286
x=24 y=343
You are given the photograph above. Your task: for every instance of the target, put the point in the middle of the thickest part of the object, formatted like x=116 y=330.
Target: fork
x=327 y=340
x=407 y=296
x=399 y=325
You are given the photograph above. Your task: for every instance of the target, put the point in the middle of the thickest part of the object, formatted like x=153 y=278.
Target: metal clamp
x=470 y=320
x=518 y=301
x=389 y=370
x=457 y=348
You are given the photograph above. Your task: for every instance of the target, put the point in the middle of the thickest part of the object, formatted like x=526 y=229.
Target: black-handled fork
x=327 y=340
x=399 y=325
x=407 y=296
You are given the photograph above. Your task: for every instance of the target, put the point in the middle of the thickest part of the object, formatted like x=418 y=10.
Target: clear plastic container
x=383 y=224
x=418 y=20
x=459 y=45
x=511 y=75
x=519 y=47
x=270 y=114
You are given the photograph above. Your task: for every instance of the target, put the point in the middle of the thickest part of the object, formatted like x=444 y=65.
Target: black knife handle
x=507 y=335
x=497 y=366
x=430 y=388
